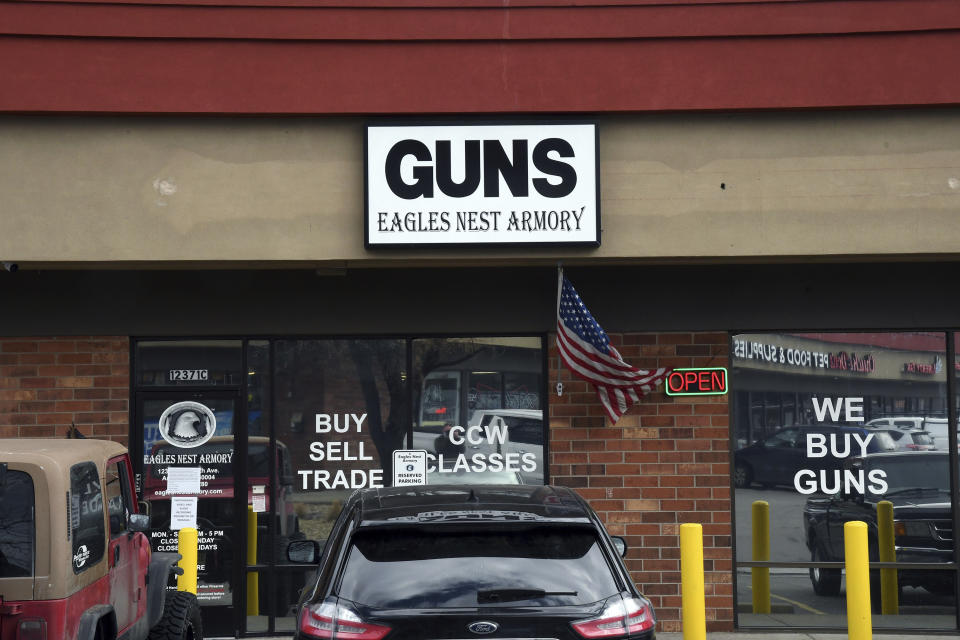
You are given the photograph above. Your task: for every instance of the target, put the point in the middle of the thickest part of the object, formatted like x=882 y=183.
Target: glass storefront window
x=826 y=429
x=320 y=418
x=186 y=363
x=186 y=430
x=479 y=409
x=258 y=388
x=340 y=411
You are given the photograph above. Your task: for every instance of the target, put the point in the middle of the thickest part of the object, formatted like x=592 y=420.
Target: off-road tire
x=826 y=582
x=181 y=618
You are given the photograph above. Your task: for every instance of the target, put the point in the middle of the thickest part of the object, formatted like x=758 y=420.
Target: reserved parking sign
x=409 y=467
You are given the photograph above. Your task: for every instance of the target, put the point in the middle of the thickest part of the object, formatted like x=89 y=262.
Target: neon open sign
x=697 y=382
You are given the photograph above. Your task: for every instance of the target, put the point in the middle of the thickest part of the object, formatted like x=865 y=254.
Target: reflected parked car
x=776 y=459
x=918 y=485
x=911 y=439
x=936 y=427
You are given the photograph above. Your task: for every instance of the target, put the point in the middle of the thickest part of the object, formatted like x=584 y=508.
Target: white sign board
x=183 y=512
x=259 y=503
x=482 y=184
x=183 y=480
x=409 y=468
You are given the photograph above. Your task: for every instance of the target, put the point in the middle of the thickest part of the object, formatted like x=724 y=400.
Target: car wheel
x=181 y=618
x=826 y=582
x=742 y=476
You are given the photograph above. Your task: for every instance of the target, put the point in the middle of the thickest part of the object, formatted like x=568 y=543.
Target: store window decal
x=827 y=429
x=337 y=451
x=187 y=424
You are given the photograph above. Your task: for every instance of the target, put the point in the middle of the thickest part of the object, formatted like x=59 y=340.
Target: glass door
x=189 y=442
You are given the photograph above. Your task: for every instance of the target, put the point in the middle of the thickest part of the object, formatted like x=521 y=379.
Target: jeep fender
x=161 y=566
x=87 y=629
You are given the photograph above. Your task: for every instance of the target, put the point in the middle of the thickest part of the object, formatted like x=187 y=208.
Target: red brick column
x=48 y=383
x=665 y=463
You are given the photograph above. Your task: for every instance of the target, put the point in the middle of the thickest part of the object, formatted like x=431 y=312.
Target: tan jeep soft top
x=48 y=462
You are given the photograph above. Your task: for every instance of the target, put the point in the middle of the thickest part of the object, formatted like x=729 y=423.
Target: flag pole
x=559 y=291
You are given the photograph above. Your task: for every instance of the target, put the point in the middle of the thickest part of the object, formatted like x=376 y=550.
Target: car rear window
x=17 y=525
x=434 y=568
x=881 y=442
x=87 y=528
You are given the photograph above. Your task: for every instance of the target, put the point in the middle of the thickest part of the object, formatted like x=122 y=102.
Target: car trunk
x=526 y=622
x=433 y=581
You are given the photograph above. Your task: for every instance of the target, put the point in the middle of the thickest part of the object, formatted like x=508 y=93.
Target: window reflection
x=827 y=426
x=479 y=414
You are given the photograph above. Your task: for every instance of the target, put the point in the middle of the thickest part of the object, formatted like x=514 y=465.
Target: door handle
x=116 y=554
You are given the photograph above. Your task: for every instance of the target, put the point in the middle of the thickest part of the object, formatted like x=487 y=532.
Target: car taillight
x=329 y=619
x=620 y=618
x=32 y=629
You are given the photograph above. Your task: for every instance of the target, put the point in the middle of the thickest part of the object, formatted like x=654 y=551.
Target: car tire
x=181 y=618
x=826 y=582
x=742 y=476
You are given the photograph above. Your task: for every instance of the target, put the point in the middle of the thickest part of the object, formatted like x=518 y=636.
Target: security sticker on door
x=409 y=467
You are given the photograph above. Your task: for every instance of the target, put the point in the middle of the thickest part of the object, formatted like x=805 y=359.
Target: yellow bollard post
x=694 y=610
x=761 y=552
x=187 y=547
x=889 y=597
x=253 y=577
x=857 y=555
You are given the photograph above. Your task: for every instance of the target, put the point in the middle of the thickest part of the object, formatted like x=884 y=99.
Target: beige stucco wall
x=81 y=190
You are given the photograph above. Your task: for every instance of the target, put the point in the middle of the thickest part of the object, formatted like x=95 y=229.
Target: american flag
x=586 y=349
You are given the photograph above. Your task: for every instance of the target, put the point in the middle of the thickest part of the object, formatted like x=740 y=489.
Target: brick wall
x=665 y=463
x=47 y=383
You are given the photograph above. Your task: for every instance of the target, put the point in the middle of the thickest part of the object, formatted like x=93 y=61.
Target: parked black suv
x=454 y=561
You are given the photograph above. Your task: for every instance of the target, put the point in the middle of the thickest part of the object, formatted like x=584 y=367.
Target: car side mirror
x=620 y=545
x=138 y=522
x=304 y=551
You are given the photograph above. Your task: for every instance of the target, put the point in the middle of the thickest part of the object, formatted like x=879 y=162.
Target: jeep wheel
x=742 y=476
x=181 y=618
x=826 y=582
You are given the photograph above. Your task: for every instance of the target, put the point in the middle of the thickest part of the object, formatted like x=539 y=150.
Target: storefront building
x=369 y=265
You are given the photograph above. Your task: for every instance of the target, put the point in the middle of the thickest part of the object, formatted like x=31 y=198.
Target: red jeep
x=74 y=561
